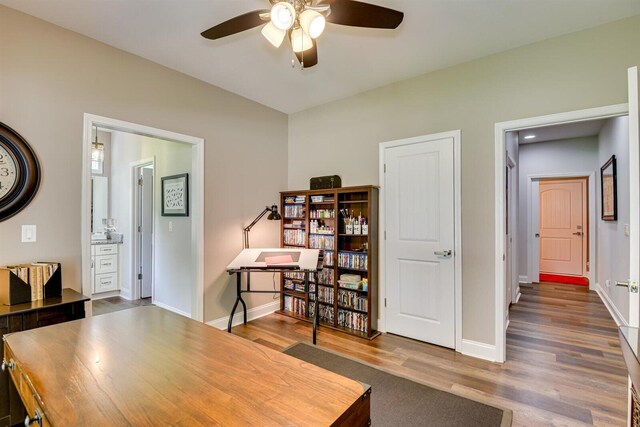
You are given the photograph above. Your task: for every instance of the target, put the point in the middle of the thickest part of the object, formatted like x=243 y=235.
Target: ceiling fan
x=303 y=21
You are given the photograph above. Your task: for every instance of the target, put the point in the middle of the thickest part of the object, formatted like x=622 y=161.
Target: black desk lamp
x=273 y=216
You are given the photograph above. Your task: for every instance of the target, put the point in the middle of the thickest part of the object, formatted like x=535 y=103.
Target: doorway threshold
x=567 y=280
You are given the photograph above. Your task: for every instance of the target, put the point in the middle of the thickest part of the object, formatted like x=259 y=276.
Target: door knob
x=443 y=253
x=631 y=284
x=578 y=233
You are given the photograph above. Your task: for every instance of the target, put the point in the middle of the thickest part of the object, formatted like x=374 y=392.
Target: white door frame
x=500 y=130
x=513 y=222
x=134 y=249
x=457 y=253
x=533 y=213
x=197 y=185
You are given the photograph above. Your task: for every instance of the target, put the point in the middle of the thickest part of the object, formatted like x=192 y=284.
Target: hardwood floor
x=564 y=365
x=109 y=305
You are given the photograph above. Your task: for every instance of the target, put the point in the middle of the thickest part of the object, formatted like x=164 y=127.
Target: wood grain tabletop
x=148 y=366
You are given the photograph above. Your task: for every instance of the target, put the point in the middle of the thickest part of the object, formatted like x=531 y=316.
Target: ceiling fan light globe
x=283 y=15
x=273 y=34
x=312 y=23
x=300 y=41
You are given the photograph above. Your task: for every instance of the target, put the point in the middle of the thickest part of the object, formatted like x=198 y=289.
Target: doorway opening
x=547 y=151
x=147 y=253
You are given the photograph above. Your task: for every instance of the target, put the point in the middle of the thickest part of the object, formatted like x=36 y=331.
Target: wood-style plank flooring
x=564 y=365
x=111 y=304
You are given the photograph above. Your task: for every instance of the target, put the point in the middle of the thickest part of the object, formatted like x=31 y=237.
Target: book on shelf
x=317 y=241
x=295 y=305
x=356 y=261
x=352 y=320
x=294 y=211
x=353 y=300
x=30 y=282
x=294 y=237
x=295 y=199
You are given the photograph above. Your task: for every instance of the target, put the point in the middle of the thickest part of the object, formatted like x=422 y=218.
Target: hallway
x=564 y=365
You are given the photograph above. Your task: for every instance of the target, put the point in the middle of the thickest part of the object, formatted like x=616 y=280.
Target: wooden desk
x=21 y=317
x=147 y=366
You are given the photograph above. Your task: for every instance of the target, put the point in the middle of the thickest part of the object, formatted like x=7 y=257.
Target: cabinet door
x=106 y=249
x=106 y=264
x=106 y=282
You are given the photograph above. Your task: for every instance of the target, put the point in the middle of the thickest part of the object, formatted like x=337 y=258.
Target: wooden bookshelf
x=354 y=311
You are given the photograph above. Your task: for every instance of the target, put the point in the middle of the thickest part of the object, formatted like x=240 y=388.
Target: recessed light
x=529 y=137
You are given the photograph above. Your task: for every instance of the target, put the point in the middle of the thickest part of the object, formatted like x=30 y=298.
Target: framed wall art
x=175 y=195
x=609 y=190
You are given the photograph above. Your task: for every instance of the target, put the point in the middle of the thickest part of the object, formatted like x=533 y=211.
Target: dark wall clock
x=19 y=173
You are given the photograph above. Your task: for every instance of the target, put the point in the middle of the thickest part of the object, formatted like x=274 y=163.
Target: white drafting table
x=250 y=260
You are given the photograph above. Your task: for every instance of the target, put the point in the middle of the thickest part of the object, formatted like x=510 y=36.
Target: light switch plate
x=170 y=225
x=626 y=230
x=28 y=233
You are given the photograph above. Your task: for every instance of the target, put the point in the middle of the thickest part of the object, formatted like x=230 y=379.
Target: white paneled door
x=563 y=226
x=419 y=224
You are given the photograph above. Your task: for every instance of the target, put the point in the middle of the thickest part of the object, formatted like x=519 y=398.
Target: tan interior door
x=563 y=227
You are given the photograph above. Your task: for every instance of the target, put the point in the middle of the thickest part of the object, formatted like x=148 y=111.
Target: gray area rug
x=397 y=401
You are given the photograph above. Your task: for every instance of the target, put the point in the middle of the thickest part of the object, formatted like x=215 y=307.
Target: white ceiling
x=563 y=131
x=435 y=34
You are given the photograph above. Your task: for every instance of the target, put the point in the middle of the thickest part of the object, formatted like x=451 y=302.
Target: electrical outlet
x=626 y=230
x=607 y=283
x=170 y=225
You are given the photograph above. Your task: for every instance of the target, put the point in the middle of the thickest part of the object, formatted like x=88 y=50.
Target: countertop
x=115 y=239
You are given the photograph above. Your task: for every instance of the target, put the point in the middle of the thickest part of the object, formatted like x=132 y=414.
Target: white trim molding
x=175 y=310
x=499 y=191
x=457 y=201
x=523 y=279
x=196 y=187
x=613 y=310
x=479 y=350
x=252 y=314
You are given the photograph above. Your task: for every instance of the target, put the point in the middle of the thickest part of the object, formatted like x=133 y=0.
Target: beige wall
x=50 y=76
x=580 y=70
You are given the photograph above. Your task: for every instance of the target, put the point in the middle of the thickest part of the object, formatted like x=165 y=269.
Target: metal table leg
x=244 y=306
x=317 y=309
x=238 y=299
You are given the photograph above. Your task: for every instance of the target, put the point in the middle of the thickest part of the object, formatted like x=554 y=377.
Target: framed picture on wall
x=175 y=195
x=609 y=189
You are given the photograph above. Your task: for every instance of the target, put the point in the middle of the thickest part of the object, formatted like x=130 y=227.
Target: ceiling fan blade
x=309 y=57
x=235 y=25
x=358 y=14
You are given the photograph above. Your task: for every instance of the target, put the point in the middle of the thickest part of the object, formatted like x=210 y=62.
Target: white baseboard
x=173 y=309
x=518 y=295
x=479 y=350
x=104 y=295
x=613 y=310
x=126 y=294
x=524 y=279
x=252 y=314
